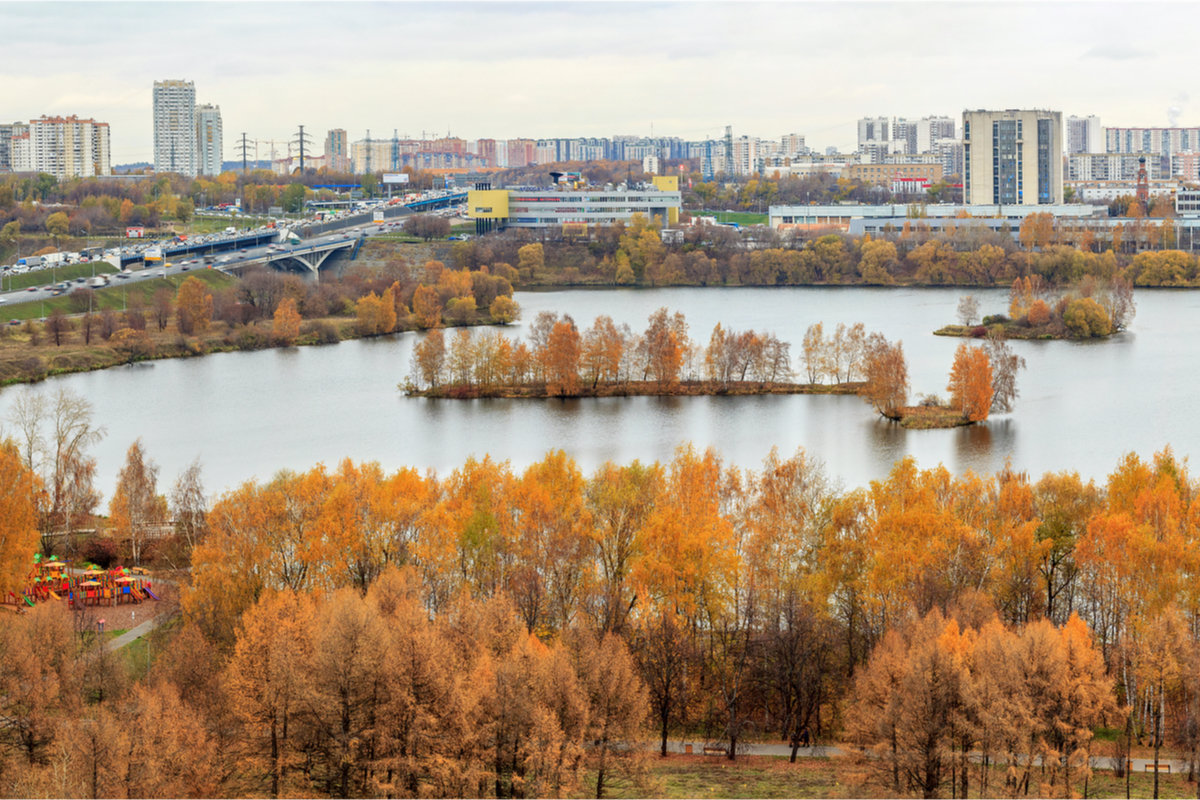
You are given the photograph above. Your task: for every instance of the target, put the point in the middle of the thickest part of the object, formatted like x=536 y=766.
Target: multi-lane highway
x=231 y=260
x=233 y=252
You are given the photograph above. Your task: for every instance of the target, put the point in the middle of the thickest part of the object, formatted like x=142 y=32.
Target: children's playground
x=82 y=587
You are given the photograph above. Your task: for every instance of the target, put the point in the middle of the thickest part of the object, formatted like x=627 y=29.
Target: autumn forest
x=530 y=632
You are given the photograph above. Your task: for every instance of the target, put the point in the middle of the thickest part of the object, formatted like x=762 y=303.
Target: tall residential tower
x=209 y=143
x=175 y=127
x=337 y=154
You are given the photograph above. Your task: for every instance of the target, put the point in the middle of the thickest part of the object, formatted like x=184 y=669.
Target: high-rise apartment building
x=1113 y=167
x=950 y=151
x=873 y=130
x=1160 y=141
x=904 y=136
x=1084 y=135
x=930 y=130
x=7 y=131
x=209 y=143
x=175 y=127
x=521 y=152
x=745 y=155
x=337 y=150
x=65 y=147
x=792 y=145
x=1012 y=157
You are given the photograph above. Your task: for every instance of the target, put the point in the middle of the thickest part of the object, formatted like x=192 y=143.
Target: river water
x=1082 y=405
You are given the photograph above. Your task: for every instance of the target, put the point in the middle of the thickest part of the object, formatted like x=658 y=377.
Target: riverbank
x=24 y=361
x=540 y=391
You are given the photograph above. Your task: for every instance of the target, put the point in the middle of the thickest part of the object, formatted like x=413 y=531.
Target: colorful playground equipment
x=51 y=580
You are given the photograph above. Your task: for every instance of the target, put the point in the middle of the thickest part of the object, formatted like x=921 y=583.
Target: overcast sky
x=541 y=69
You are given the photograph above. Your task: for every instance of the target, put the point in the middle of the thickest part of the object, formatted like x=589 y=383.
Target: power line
x=300 y=139
x=245 y=148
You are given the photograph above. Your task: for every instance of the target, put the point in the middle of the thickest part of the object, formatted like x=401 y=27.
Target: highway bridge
x=390 y=214
x=304 y=258
x=235 y=242
x=248 y=248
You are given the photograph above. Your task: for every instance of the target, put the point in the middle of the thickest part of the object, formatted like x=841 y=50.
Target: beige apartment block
x=1013 y=157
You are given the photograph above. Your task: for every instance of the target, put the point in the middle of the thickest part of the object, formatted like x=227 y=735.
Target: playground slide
x=152 y=595
x=54 y=596
x=28 y=602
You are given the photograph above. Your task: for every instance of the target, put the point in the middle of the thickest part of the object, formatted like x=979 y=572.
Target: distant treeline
x=635 y=255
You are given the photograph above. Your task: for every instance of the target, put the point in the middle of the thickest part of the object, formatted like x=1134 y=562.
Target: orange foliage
x=1039 y=313
x=970 y=384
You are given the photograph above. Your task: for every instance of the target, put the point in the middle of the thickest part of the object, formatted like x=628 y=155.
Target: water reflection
x=985 y=447
x=888 y=440
x=249 y=414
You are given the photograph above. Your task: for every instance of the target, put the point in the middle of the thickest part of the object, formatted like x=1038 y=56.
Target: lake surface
x=247 y=415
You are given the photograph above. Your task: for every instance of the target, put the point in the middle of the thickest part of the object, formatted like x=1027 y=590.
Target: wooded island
x=609 y=360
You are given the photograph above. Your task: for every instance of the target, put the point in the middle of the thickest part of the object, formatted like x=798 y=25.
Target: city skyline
x=505 y=70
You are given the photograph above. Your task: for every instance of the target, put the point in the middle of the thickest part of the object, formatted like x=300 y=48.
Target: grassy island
x=932 y=417
x=1087 y=310
x=1009 y=330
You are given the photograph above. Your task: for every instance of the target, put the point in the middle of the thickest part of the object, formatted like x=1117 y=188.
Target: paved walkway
x=135 y=633
x=1173 y=765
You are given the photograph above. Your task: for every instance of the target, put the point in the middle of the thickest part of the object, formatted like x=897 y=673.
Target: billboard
x=135 y=233
x=395 y=177
x=377 y=216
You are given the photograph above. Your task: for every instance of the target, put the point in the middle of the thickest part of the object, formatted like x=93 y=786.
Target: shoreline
x=1012 y=331
x=539 y=391
x=53 y=361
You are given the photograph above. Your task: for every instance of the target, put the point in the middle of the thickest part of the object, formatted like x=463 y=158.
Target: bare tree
x=68 y=470
x=164 y=304
x=1121 y=304
x=1005 y=364
x=58 y=326
x=968 y=309
x=665 y=655
x=136 y=506
x=27 y=415
x=188 y=505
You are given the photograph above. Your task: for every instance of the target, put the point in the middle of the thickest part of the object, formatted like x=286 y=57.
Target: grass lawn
x=211 y=223
x=116 y=295
x=764 y=776
x=1141 y=784
x=403 y=238
x=140 y=654
x=740 y=217
x=712 y=776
